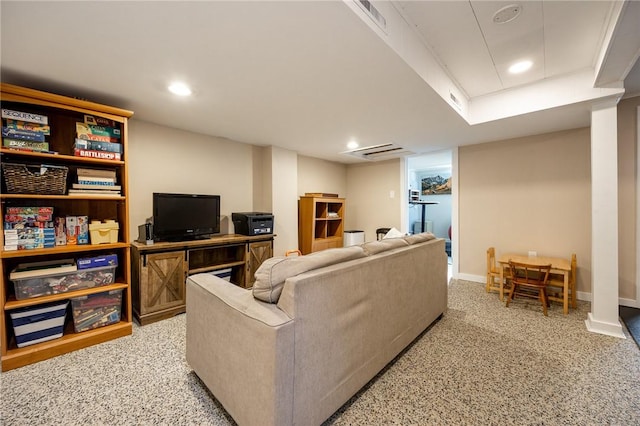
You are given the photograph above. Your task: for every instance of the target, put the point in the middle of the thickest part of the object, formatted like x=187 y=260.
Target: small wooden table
x=558 y=266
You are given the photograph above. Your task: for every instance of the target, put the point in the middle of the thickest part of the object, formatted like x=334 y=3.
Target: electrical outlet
x=392 y=194
x=533 y=253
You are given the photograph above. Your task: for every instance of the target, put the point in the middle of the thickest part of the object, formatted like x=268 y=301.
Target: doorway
x=429 y=191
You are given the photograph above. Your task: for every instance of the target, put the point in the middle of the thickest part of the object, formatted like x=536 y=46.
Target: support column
x=603 y=317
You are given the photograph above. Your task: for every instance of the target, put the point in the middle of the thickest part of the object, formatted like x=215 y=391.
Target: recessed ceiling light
x=352 y=145
x=519 y=67
x=180 y=89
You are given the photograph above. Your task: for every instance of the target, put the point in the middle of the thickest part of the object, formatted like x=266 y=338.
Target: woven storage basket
x=35 y=178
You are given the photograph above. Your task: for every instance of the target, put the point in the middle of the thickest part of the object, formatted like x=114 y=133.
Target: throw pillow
x=419 y=238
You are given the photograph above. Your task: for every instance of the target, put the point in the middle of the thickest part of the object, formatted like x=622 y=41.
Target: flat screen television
x=179 y=217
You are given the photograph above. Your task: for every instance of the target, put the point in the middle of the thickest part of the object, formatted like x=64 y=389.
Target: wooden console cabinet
x=159 y=271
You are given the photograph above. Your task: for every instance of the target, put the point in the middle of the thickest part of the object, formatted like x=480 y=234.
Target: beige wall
x=524 y=194
x=284 y=184
x=262 y=191
x=627 y=154
x=369 y=205
x=315 y=175
x=162 y=159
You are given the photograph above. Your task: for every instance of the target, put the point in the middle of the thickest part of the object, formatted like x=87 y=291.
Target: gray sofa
x=327 y=323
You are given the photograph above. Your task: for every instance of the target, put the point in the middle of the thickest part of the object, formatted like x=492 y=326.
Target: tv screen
x=179 y=217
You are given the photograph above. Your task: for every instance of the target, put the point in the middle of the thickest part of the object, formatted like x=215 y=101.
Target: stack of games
x=98 y=182
x=98 y=137
x=28 y=228
x=25 y=131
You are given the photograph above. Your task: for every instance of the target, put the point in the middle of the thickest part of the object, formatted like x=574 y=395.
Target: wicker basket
x=35 y=178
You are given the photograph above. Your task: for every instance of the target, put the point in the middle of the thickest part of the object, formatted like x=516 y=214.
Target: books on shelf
x=25 y=144
x=104 y=173
x=24 y=116
x=103 y=155
x=27 y=135
x=99 y=121
x=25 y=125
x=28 y=228
x=84 y=129
x=96 y=187
x=20 y=134
x=98 y=145
x=97 y=192
x=96 y=182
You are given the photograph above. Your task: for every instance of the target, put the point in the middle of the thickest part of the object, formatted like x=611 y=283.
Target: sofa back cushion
x=273 y=272
x=374 y=247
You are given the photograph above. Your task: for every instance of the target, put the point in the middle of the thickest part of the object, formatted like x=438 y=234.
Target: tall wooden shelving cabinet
x=63 y=113
x=320 y=223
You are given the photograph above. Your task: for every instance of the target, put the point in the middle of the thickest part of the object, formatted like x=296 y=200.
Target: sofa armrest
x=242 y=349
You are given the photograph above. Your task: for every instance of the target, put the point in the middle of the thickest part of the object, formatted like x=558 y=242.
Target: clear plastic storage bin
x=96 y=310
x=63 y=282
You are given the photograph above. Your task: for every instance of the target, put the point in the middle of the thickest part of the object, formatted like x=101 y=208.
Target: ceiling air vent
x=455 y=100
x=373 y=12
x=379 y=152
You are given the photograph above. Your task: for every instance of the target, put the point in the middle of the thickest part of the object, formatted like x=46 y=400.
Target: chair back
x=381 y=232
x=529 y=275
x=491 y=259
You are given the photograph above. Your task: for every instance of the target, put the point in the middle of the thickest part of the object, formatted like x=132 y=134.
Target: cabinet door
x=162 y=281
x=258 y=253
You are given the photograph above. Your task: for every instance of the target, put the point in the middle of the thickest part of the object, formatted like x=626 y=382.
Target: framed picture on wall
x=436 y=183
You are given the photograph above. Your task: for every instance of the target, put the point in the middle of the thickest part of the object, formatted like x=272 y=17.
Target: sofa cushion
x=273 y=272
x=419 y=238
x=374 y=247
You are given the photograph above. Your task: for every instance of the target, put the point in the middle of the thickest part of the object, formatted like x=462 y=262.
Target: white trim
x=404 y=195
x=583 y=295
x=605 y=287
x=608 y=328
x=455 y=234
x=636 y=302
x=471 y=277
x=628 y=302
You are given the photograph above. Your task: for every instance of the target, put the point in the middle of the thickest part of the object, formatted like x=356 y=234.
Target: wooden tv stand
x=159 y=271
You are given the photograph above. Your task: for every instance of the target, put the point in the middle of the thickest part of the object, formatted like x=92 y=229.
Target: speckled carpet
x=481 y=364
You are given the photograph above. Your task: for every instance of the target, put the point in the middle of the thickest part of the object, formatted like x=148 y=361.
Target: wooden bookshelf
x=63 y=112
x=320 y=223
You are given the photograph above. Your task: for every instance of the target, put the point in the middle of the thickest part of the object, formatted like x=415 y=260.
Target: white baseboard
x=629 y=302
x=607 y=328
x=580 y=295
x=470 y=277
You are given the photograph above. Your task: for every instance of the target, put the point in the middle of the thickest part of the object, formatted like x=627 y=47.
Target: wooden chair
x=556 y=284
x=493 y=272
x=381 y=232
x=527 y=280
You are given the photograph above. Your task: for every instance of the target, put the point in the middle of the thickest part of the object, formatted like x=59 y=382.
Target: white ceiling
x=310 y=76
x=560 y=37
